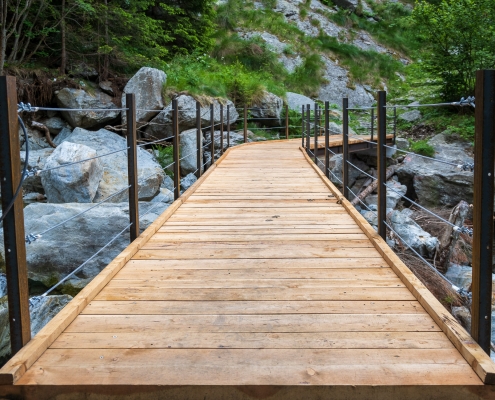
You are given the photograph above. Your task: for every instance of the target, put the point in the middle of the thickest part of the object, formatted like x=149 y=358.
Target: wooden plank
x=252 y=367
x=251 y=307
x=474 y=355
x=342 y=293
x=253 y=340
x=256 y=323
x=267 y=264
x=213 y=230
x=226 y=237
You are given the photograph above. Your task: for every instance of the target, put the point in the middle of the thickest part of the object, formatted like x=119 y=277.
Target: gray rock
x=437 y=183
x=371 y=217
x=189 y=150
x=268 y=109
x=106 y=87
x=37 y=160
x=339 y=87
x=187 y=181
x=164 y=196
x=291 y=62
x=161 y=126
x=412 y=234
x=60 y=251
x=410 y=116
x=3 y=284
x=168 y=183
x=336 y=169
x=83 y=70
x=80 y=99
x=62 y=136
x=41 y=310
x=76 y=183
x=393 y=196
x=295 y=101
x=288 y=8
x=347 y=4
x=273 y=42
x=336 y=129
x=460 y=275
x=37 y=140
x=402 y=144
x=55 y=125
x=147 y=85
x=150 y=173
x=463 y=315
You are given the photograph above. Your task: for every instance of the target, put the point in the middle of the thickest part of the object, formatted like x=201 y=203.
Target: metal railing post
x=382 y=163
x=287 y=122
x=228 y=126
x=302 y=126
x=132 y=172
x=317 y=128
x=395 y=124
x=372 y=124
x=245 y=123
x=308 y=128
x=345 y=147
x=327 y=139
x=483 y=208
x=199 y=142
x=221 y=129
x=212 y=134
x=176 y=149
x=13 y=223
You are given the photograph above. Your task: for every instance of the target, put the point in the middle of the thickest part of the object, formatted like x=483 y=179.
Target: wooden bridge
x=262 y=282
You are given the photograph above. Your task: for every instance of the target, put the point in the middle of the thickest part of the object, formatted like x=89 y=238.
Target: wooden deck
x=336 y=141
x=259 y=282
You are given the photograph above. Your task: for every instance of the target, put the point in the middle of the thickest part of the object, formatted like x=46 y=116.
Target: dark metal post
x=317 y=131
x=302 y=125
x=345 y=147
x=395 y=124
x=245 y=123
x=212 y=134
x=13 y=223
x=483 y=208
x=132 y=172
x=287 y=122
x=199 y=142
x=327 y=139
x=176 y=150
x=221 y=129
x=228 y=126
x=372 y=123
x=382 y=162
x=308 y=128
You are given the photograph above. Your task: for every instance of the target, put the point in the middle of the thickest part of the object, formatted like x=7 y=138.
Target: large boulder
x=60 y=251
x=161 y=126
x=296 y=101
x=55 y=125
x=37 y=140
x=412 y=233
x=75 y=183
x=37 y=161
x=267 y=110
x=80 y=99
x=189 y=150
x=147 y=85
x=335 y=165
x=395 y=191
x=41 y=310
x=435 y=183
x=187 y=182
x=150 y=173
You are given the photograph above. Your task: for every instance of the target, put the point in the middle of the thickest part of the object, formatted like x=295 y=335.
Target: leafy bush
x=423 y=148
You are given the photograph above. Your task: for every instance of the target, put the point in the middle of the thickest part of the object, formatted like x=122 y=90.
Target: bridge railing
x=483 y=208
x=208 y=125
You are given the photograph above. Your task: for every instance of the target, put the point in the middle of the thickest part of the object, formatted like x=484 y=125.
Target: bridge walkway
x=259 y=282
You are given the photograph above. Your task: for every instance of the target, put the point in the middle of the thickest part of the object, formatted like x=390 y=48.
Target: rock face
x=37 y=140
x=76 y=183
x=37 y=160
x=395 y=191
x=150 y=173
x=161 y=126
x=336 y=169
x=55 y=125
x=77 y=98
x=62 y=136
x=41 y=311
x=188 y=151
x=147 y=84
x=296 y=101
x=411 y=116
x=187 y=182
x=412 y=234
x=435 y=183
x=268 y=110
x=60 y=251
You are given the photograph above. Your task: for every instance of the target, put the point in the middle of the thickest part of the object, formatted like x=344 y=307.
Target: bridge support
x=302 y=126
x=199 y=142
x=382 y=163
x=345 y=149
x=176 y=149
x=132 y=173
x=13 y=223
x=483 y=208
x=327 y=139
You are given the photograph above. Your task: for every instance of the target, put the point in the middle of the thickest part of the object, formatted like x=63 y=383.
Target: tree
x=460 y=39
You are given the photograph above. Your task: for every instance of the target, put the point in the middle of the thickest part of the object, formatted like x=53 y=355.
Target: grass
x=164 y=156
x=423 y=148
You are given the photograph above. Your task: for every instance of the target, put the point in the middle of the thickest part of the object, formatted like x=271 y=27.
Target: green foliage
x=460 y=39
x=295 y=122
x=164 y=155
x=422 y=147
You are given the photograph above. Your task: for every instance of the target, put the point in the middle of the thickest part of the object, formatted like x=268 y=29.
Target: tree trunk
x=63 y=51
x=372 y=187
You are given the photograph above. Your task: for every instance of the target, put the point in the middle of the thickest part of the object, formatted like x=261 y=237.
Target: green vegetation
x=164 y=156
x=422 y=147
x=459 y=39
